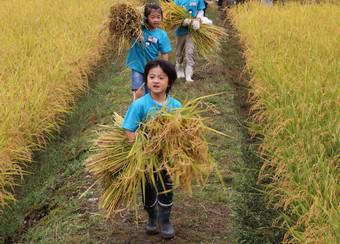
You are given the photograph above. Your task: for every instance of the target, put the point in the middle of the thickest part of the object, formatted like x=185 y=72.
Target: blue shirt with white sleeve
x=192 y=6
x=144 y=107
x=141 y=53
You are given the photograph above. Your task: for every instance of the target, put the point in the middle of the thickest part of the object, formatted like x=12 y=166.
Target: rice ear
x=125 y=25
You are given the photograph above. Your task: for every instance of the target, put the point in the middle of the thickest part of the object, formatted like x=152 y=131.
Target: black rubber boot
x=151 y=227
x=167 y=231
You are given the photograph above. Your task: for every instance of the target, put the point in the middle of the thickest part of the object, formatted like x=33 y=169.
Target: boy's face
x=157 y=81
x=154 y=19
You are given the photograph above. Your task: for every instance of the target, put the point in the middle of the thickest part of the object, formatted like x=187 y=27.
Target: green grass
x=251 y=218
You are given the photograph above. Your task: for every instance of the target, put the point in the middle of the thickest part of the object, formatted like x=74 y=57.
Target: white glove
x=186 y=22
x=206 y=21
x=196 y=24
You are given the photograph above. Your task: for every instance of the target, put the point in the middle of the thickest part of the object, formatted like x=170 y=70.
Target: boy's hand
x=186 y=22
x=196 y=24
x=131 y=136
x=206 y=21
x=141 y=38
x=140 y=92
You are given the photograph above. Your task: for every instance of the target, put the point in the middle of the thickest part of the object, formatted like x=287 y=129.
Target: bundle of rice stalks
x=137 y=2
x=177 y=141
x=173 y=15
x=125 y=24
x=207 y=39
x=119 y=166
x=169 y=140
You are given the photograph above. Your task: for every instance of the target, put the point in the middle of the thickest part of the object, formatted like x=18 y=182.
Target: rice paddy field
x=59 y=81
x=48 y=49
x=292 y=53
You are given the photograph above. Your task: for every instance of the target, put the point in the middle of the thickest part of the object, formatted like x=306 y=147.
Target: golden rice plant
x=48 y=49
x=173 y=15
x=207 y=39
x=310 y=1
x=169 y=140
x=294 y=64
x=125 y=22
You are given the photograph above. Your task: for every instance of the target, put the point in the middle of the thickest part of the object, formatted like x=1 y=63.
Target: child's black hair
x=167 y=67
x=148 y=8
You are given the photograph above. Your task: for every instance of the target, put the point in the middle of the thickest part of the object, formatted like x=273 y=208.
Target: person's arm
x=200 y=9
x=132 y=119
x=165 y=56
x=130 y=135
x=164 y=46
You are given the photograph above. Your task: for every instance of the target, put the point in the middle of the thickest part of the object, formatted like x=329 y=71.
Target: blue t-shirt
x=140 y=54
x=192 y=6
x=142 y=108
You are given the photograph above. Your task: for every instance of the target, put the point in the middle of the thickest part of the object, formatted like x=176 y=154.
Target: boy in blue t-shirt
x=159 y=77
x=153 y=42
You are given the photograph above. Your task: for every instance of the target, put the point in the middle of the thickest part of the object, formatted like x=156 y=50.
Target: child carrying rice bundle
x=141 y=33
x=153 y=43
x=193 y=30
x=159 y=144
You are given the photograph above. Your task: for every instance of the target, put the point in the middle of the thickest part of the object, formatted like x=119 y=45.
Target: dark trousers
x=160 y=192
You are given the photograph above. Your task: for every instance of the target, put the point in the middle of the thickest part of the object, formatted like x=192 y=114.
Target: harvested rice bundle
x=125 y=24
x=169 y=140
x=178 y=138
x=207 y=38
x=110 y=150
x=119 y=166
x=173 y=15
x=136 y=2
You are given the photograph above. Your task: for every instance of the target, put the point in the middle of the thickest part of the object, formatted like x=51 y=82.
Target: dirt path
x=52 y=205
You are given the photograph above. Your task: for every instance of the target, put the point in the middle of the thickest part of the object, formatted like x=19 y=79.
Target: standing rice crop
x=293 y=55
x=169 y=140
x=48 y=49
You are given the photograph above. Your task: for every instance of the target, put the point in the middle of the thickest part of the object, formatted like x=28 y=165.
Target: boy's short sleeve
x=177 y=104
x=174 y=103
x=165 y=44
x=201 y=5
x=133 y=117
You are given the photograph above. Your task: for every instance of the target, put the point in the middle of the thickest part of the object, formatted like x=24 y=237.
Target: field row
x=48 y=49
x=292 y=53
